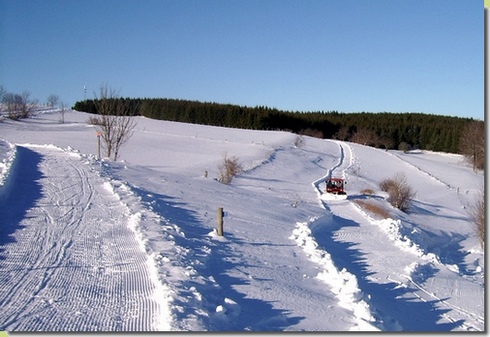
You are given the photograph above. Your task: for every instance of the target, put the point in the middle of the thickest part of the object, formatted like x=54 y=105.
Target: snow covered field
x=96 y=245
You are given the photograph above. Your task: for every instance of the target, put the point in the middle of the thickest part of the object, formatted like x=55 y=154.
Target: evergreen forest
x=386 y=130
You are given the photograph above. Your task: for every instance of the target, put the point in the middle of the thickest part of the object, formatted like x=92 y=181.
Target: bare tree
x=472 y=144
x=342 y=134
x=62 y=112
x=385 y=142
x=3 y=91
x=116 y=120
x=19 y=106
x=365 y=137
x=12 y=104
x=53 y=100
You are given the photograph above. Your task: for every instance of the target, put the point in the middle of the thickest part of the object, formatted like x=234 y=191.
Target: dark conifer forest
x=385 y=130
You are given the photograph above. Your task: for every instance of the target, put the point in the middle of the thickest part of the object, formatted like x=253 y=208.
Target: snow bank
x=342 y=283
x=400 y=235
x=7 y=158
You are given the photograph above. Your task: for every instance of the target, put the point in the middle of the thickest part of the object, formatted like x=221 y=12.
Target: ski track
x=353 y=227
x=69 y=261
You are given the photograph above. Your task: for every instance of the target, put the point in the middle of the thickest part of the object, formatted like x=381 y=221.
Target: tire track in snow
x=70 y=262
x=350 y=234
x=341 y=166
x=433 y=297
x=343 y=283
x=449 y=185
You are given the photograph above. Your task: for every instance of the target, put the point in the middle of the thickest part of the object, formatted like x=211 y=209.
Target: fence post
x=220 y=221
x=98 y=144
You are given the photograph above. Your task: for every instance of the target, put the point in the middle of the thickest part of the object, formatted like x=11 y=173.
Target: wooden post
x=219 y=228
x=98 y=144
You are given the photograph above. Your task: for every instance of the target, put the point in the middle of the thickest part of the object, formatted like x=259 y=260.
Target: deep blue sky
x=302 y=55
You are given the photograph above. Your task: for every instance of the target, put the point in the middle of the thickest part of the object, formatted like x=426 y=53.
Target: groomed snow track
x=77 y=271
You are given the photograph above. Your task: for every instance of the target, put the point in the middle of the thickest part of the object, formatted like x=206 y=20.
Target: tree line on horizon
x=386 y=130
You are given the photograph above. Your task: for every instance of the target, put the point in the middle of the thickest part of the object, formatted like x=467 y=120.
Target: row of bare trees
x=22 y=105
x=114 y=123
x=17 y=105
x=364 y=136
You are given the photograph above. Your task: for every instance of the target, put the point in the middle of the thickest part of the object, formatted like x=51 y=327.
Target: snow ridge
x=8 y=153
x=342 y=283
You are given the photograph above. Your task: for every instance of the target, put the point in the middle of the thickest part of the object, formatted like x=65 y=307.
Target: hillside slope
x=141 y=231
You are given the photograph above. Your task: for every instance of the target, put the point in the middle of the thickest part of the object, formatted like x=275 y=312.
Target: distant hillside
x=383 y=130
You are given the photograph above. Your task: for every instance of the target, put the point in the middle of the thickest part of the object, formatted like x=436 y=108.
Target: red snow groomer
x=335 y=189
x=335 y=186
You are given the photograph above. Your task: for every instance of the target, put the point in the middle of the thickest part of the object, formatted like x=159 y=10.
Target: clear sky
x=301 y=55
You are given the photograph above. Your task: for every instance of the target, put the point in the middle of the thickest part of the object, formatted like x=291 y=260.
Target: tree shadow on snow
x=446 y=245
x=424 y=208
x=20 y=193
x=391 y=301
x=255 y=315
x=218 y=261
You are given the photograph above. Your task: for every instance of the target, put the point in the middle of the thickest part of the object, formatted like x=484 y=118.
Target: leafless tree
x=342 y=134
x=53 y=100
x=3 y=91
x=19 y=105
x=365 y=137
x=116 y=120
x=385 y=142
x=472 y=144
x=312 y=133
x=62 y=112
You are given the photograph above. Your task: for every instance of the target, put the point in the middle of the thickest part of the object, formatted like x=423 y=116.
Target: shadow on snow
x=20 y=193
x=217 y=260
x=391 y=302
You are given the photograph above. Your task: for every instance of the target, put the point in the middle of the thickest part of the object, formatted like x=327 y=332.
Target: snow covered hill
x=96 y=245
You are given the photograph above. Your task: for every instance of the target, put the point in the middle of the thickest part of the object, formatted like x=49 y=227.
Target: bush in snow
x=299 y=141
x=387 y=185
x=19 y=105
x=404 y=146
x=367 y=191
x=400 y=194
x=228 y=168
x=478 y=215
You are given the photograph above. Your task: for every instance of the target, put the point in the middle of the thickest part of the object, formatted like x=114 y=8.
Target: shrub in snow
x=228 y=168
x=405 y=147
x=299 y=141
x=478 y=215
x=367 y=191
x=400 y=194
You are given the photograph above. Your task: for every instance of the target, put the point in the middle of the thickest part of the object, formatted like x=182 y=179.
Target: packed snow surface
x=90 y=244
